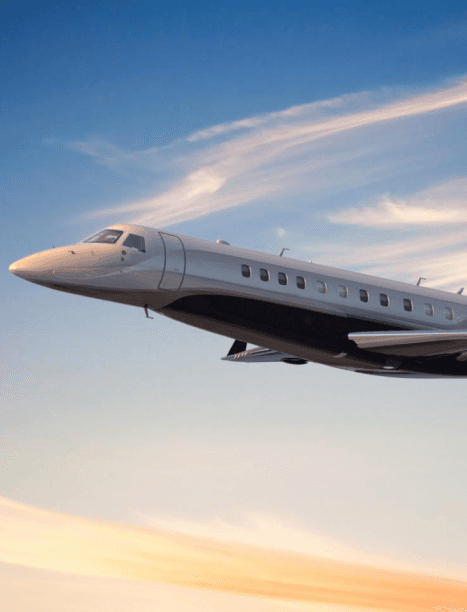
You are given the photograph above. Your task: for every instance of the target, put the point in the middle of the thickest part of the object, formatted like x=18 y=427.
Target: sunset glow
x=53 y=541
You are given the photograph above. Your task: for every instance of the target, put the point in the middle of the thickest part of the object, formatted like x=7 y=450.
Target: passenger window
x=264 y=274
x=301 y=282
x=343 y=291
x=282 y=278
x=246 y=271
x=429 y=310
x=448 y=313
x=322 y=288
x=135 y=242
x=364 y=296
x=383 y=299
x=408 y=306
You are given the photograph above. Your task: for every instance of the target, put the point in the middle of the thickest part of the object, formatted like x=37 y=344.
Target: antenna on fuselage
x=460 y=291
x=420 y=280
x=282 y=252
x=146 y=311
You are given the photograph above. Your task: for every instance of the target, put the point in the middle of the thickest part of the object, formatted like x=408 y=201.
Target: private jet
x=293 y=311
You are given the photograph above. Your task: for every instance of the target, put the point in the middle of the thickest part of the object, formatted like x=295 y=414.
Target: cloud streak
x=22 y=588
x=430 y=241
x=49 y=540
x=445 y=204
x=291 y=152
x=441 y=258
x=391 y=213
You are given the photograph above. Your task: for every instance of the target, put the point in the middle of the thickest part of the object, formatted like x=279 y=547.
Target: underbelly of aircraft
x=309 y=335
x=306 y=334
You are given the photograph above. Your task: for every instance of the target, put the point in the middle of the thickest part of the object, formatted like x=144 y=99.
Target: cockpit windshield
x=107 y=236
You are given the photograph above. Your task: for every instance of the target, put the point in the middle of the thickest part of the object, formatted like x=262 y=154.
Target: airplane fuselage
x=303 y=310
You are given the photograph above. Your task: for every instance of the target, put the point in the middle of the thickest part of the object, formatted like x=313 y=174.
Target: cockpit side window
x=135 y=242
x=107 y=236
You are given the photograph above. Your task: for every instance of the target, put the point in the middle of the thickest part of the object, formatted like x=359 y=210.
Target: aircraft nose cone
x=17 y=268
x=34 y=268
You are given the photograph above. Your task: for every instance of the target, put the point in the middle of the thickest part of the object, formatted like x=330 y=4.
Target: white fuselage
x=302 y=309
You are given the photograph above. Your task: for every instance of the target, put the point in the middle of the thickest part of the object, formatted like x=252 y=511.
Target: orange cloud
x=54 y=541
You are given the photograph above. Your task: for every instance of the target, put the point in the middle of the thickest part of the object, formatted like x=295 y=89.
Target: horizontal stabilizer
x=261 y=355
x=419 y=343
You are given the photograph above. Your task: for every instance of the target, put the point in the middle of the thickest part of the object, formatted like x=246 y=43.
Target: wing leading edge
x=259 y=354
x=420 y=343
x=409 y=344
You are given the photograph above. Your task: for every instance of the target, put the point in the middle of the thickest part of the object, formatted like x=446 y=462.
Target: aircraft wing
x=418 y=343
x=258 y=354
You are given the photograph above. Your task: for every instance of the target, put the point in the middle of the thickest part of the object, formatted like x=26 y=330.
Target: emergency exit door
x=174 y=269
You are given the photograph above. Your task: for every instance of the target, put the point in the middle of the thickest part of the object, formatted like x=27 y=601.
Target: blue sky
x=334 y=129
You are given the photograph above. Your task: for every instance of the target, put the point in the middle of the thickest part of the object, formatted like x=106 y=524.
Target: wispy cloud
x=53 y=541
x=441 y=259
x=389 y=213
x=26 y=589
x=303 y=150
x=432 y=242
x=309 y=110
x=444 y=204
